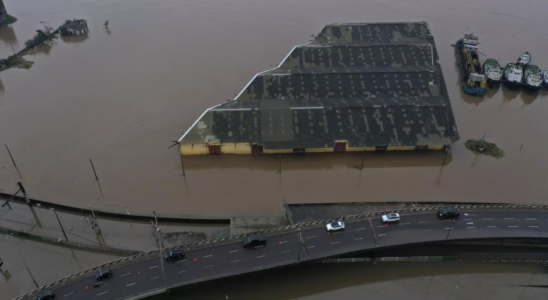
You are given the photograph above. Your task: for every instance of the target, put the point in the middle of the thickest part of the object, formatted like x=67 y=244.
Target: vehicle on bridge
x=46 y=296
x=103 y=274
x=335 y=226
x=174 y=254
x=448 y=213
x=391 y=218
x=256 y=240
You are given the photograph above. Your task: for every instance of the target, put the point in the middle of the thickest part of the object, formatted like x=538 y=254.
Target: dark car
x=103 y=274
x=46 y=296
x=255 y=240
x=174 y=254
x=448 y=213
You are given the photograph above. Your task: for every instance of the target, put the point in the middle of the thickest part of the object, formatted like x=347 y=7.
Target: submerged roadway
x=155 y=274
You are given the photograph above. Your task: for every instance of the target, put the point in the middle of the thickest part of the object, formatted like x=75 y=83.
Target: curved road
x=155 y=274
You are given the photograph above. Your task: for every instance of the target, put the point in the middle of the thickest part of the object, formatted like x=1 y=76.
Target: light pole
x=33 y=280
x=62 y=229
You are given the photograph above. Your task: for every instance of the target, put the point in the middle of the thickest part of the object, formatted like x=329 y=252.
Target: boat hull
x=474 y=91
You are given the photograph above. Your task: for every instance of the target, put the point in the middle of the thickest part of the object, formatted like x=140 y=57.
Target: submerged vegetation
x=42 y=37
x=15 y=61
x=484 y=147
x=8 y=19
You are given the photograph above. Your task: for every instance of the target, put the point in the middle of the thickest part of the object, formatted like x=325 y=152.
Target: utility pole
x=27 y=200
x=33 y=280
x=62 y=229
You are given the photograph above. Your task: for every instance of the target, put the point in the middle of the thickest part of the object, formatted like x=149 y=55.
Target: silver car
x=391 y=218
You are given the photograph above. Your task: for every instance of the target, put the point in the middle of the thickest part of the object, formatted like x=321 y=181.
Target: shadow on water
x=44 y=49
x=7 y=35
x=74 y=39
x=315 y=161
x=2 y=88
x=528 y=98
x=315 y=279
x=491 y=92
x=509 y=94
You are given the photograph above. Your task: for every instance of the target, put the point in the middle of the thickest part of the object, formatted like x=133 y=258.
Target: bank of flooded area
x=388 y=280
x=120 y=96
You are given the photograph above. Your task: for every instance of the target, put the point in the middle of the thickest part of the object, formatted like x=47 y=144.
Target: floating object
x=545 y=78
x=532 y=79
x=484 y=147
x=493 y=72
x=512 y=76
x=524 y=59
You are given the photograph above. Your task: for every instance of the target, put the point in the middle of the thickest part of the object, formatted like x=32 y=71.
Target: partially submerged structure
x=356 y=87
x=74 y=27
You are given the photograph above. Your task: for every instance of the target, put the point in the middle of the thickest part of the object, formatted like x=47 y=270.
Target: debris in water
x=484 y=147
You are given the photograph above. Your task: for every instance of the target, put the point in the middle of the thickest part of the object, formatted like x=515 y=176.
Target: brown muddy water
x=409 y=281
x=121 y=96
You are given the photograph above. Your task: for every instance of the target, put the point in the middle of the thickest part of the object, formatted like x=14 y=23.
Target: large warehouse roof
x=372 y=85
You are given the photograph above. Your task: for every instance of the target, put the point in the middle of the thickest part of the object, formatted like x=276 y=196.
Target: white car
x=391 y=218
x=335 y=226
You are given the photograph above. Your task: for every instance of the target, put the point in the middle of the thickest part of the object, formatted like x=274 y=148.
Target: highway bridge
x=137 y=278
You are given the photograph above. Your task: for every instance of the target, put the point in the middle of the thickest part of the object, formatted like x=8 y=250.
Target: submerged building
x=356 y=87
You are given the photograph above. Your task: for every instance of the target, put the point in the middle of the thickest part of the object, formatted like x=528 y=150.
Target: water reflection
x=509 y=94
x=528 y=98
x=74 y=39
x=44 y=49
x=7 y=35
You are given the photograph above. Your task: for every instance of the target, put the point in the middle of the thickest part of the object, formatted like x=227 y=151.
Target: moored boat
x=476 y=84
x=524 y=59
x=512 y=76
x=493 y=72
x=545 y=79
x=532 y=79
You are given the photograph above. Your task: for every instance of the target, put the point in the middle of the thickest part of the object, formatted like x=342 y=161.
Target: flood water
x=410 y=281
x=121 y=96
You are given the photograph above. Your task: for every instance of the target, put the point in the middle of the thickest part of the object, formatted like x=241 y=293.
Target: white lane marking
x=155 y=277
x=336 y=232
x=181 y=261
x=358 y=239
x=512 y=226
x=404 y=223
x=334 y=243
x=232 y=251
x=153 y=267
x=101 y=293
x=261 y=256
x=181 y=271
x=68 y=294
x=447 y=228
x=361 y=228
x=209 y=266
x=258 y=246
x=208 y=256
x=470 y=227
x=283 y=242
x=530 y=219
x=310 y=237
x=491 y=226
x=235 y=261
x=533 y=226
x=130 y=284
x=125 y=274
x=428 y=229
x=309 y=247
x=382 y=234
x=509 y=218
x=487 y=219
x=286 y=251
x=423 y=222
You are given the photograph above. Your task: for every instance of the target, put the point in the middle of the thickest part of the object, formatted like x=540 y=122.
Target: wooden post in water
x=182 y=164
x=94 y=173
x=12 y=160
x=446 y=152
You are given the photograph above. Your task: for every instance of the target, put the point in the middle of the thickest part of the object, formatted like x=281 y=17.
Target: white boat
x=512 y=76
x=545 y=78
x=524 y=59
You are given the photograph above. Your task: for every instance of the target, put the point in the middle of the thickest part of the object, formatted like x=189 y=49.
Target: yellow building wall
x=194 y=149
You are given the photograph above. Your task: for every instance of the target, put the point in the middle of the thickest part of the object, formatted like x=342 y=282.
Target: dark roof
x=370 y=84
x=77 y=25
